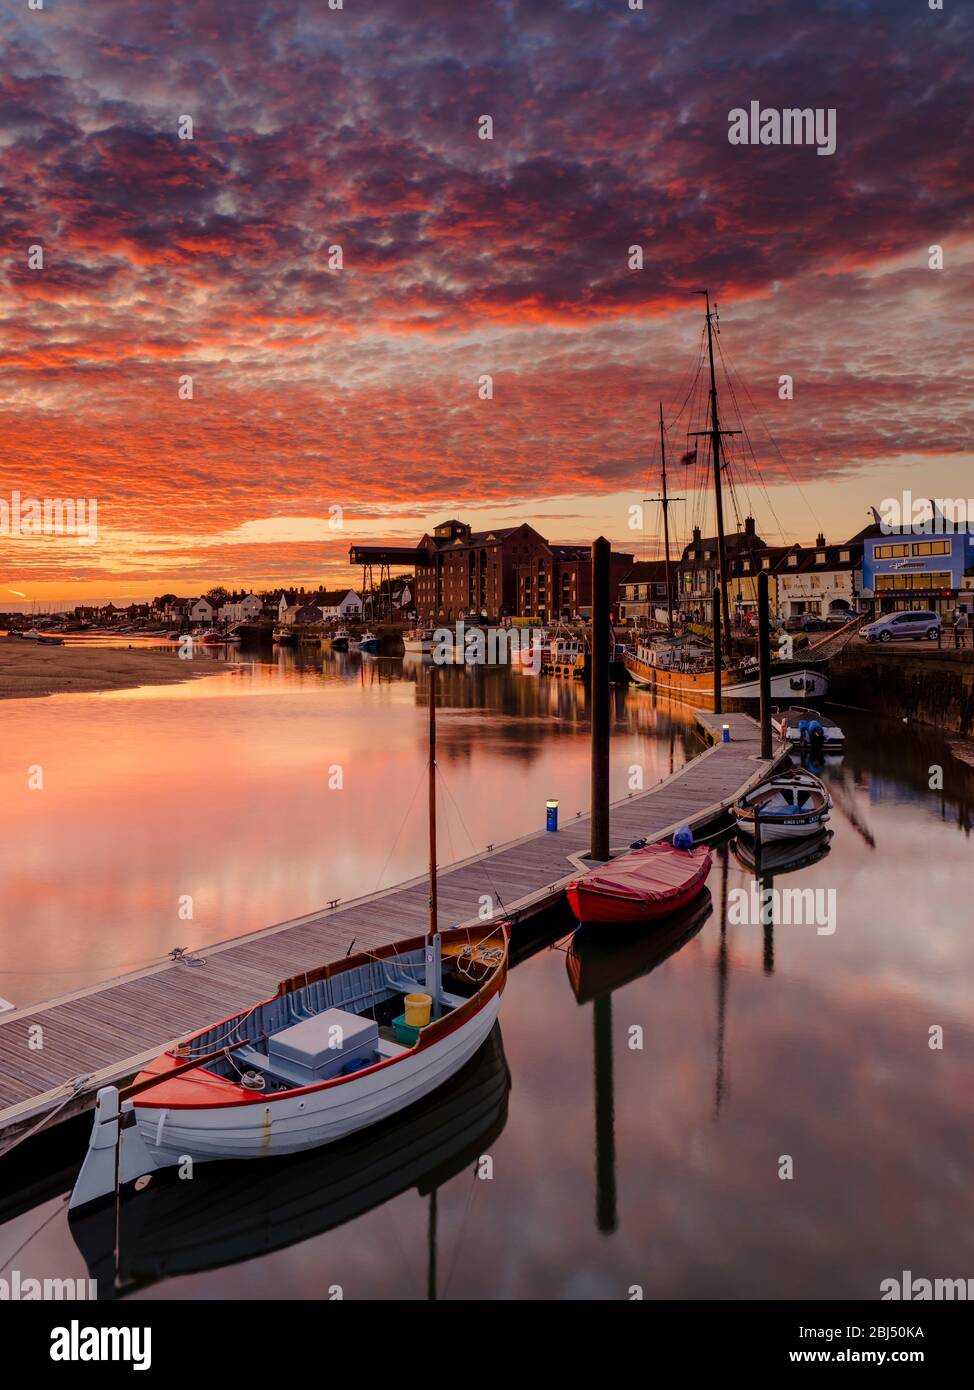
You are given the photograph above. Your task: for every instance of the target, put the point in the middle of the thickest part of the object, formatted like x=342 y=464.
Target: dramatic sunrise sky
x=462 y=256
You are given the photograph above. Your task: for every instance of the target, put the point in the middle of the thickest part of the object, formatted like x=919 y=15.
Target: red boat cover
x=649 y=878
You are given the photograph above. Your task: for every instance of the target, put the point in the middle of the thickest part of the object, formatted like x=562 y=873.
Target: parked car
x=896 y=627
x=805 y=622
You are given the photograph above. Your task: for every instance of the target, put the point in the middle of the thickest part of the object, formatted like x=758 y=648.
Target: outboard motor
x=683 y=838
x=803 y=731
x=816 y=735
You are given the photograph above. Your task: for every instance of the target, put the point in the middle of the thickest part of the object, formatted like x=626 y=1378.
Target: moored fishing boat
x=368 y=642
x=799 y=725
x=641 y=886
x=418 y=639
x=791 y=805
x=285 y=637
x=339 y=639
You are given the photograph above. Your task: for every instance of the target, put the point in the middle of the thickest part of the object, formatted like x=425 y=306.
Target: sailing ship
x=684 y=667
x=334 y=1050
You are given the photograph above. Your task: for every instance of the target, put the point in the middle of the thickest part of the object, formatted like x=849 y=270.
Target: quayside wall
x=934 y=687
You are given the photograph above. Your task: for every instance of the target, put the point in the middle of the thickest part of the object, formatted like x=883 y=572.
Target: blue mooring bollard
x=726 y=733
x=551 y=815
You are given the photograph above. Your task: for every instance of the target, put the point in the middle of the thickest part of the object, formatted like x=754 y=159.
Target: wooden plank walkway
x=104 y=1033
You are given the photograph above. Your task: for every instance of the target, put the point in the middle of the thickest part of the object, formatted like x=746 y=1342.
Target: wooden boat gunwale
x=430 y=1035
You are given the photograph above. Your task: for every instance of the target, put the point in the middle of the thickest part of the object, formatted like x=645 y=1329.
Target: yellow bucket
x=418 y=1010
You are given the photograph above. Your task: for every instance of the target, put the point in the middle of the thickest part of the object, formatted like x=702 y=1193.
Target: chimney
x=749 y=526
x=819 y=539
x=696 y=533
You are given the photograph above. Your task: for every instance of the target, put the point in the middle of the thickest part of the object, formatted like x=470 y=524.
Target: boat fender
x=683 y=838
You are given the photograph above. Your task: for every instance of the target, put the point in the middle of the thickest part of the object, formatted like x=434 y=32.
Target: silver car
x=896 y=627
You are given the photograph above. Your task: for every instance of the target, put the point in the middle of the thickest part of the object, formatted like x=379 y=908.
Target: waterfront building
x=820 y=579
x=698 y=566
x=642 y=594
x=201 y=610
x=241 y=608
x=505 y=572
x=345 y=604
x=909 y=569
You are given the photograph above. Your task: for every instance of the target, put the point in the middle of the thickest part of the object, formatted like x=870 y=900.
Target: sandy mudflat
x=29 y=669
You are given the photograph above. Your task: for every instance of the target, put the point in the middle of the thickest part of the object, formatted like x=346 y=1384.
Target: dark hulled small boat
x=641 y=886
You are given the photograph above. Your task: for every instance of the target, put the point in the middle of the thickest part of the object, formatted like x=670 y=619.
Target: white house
x=244 y=610
x=201 y=611
x=821 y=580
x=287 y=600
x=340 y=603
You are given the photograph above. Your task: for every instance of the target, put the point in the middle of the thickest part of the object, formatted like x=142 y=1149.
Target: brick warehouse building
x=508 y=572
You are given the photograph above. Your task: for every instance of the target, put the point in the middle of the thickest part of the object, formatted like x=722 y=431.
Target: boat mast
x=666 y=499
x=715 y=433
x=432 y=801
x=666 y=525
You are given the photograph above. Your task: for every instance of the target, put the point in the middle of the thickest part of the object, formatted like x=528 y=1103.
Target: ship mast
x=666 y=500
x=434 y=928
x=715 y=433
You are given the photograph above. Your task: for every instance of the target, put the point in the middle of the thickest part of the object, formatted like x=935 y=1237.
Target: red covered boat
x=641 y=886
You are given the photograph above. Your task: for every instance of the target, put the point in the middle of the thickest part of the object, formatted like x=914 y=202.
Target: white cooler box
x=316 y=1049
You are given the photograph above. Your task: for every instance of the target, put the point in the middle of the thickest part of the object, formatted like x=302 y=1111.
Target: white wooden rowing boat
x=790 y=805
x=314 y=1063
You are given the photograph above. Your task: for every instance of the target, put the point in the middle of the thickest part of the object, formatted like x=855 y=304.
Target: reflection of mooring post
x=605 y=1143
x=764 y=663
x=600 y=698
x=431 y=1250
x=767 y=921
x=718 y=655
x=722 y=979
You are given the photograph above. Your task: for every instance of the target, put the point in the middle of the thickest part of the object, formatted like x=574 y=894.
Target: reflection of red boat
x=641 y=886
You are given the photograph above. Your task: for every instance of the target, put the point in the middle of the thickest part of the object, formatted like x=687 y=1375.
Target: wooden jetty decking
x=104 y=1033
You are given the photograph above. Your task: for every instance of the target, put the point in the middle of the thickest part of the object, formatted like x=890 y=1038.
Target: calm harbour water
x=613 y=1166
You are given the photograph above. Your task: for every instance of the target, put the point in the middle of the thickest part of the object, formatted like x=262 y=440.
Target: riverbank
x=27 y=669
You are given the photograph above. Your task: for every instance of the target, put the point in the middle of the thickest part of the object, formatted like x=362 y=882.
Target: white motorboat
x=419 y=639
x=813 y=685
x=790 y=805
x=799 y=725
